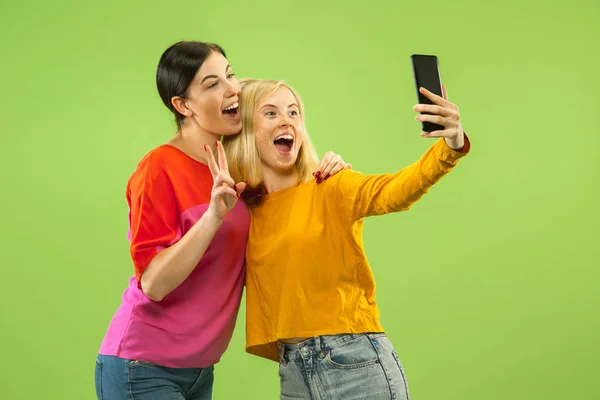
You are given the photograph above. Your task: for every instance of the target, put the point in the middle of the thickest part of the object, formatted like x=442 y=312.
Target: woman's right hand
x=444 y=113
x=225 y=192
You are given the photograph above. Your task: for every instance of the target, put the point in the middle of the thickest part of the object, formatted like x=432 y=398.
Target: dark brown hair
x=177 y=67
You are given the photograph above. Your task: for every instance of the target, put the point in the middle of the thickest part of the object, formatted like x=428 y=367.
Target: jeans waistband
x=318 y=344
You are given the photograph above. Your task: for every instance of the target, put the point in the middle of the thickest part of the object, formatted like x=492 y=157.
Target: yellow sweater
x=307 y=273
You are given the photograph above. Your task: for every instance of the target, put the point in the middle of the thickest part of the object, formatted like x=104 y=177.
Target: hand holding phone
x=439 y=117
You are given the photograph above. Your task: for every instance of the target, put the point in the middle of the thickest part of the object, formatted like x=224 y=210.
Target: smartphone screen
x=426 y=74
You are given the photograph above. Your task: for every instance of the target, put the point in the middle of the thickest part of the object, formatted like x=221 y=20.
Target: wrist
x=456 y=143
x=212 y=218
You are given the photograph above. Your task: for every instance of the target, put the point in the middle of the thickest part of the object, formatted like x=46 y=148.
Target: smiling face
x=212 y=97
x=279 y=130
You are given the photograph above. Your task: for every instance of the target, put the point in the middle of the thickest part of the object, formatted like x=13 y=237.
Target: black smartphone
x=427 y=74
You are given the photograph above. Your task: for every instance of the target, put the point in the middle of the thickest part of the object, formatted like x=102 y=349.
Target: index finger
x=212 y=163
x=434 y=97
x=445 y=91
x=222 y=158
x=325 y=161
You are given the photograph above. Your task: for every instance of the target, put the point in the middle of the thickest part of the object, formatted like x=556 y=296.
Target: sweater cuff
x=446 y=153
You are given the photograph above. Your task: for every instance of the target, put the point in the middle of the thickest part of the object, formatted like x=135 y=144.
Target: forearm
x=169 y=268
x=416 y=180
x=382 y=194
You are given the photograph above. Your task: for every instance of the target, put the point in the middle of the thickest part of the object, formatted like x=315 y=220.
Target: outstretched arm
x=381 y=194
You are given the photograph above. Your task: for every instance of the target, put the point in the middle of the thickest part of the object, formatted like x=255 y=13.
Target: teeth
x=232 y=107
x=287 y=137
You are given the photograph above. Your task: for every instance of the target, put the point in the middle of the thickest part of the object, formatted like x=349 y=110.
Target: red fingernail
x=319 y=180
x=317 y=174
x=327 y=176
x=314 y=174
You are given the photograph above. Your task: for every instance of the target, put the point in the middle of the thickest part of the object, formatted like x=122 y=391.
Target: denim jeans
x=120 y=379
x=344 y=367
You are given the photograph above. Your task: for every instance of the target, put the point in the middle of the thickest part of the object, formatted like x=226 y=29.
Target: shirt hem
x=131 y=357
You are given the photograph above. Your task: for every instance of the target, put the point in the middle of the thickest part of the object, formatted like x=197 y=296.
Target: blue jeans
x=120 y=379
x=344 y=367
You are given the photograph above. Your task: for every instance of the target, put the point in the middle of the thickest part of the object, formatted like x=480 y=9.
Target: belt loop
x=318 y=344
x=281 y=349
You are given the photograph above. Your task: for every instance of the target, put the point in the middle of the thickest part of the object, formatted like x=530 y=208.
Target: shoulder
x=162 y=157
x=154 y=165
x=343 y=179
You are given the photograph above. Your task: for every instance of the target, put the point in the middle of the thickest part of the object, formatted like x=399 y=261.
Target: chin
x=231 y=130
x=286 y=166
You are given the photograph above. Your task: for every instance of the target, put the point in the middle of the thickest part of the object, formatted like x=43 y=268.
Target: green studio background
x=488 y=287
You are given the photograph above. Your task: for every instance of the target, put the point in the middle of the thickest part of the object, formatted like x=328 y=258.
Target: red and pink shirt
x=192 y=326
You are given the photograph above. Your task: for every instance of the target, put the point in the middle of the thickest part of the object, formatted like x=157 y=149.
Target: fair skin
x=210 y=111
x=279 y=133
x=443 y=113
x=213 y=90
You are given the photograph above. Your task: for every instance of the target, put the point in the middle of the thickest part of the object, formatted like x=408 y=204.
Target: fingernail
x=314 y=174
x=317 y=174
x=205 y=148
x=328 y=175
x=217 y=142
x=319 y=180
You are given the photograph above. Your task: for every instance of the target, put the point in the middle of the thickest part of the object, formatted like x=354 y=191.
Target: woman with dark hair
x=188 y=237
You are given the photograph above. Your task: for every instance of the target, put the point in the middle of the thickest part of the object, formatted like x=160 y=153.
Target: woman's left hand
x=332 y=164
x=444 y=113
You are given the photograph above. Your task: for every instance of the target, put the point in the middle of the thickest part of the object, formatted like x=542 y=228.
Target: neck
x=191 y=139
x=275 y=180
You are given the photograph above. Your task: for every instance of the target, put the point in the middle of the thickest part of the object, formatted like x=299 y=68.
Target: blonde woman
x=310 y=290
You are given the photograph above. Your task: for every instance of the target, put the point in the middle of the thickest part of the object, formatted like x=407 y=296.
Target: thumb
x=239 y=188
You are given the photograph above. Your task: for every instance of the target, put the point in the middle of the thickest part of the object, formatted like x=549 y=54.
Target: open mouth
x=284 y=143
x=232 y=112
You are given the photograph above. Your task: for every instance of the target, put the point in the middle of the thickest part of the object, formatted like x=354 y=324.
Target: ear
x=180 y=105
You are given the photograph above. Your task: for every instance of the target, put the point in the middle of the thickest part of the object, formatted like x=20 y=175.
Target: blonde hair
x=242 y=155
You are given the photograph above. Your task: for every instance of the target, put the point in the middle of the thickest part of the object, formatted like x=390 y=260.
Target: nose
x=285 y=120
x=233 y=88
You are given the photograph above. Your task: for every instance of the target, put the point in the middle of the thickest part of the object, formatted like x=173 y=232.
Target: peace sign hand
x=225 y=191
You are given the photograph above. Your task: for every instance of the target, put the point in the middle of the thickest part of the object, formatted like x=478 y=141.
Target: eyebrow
x=214 y=76
x=274 y=106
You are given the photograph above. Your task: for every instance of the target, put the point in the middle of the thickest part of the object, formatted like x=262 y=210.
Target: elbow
x=151 y=290
x=156 y=297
